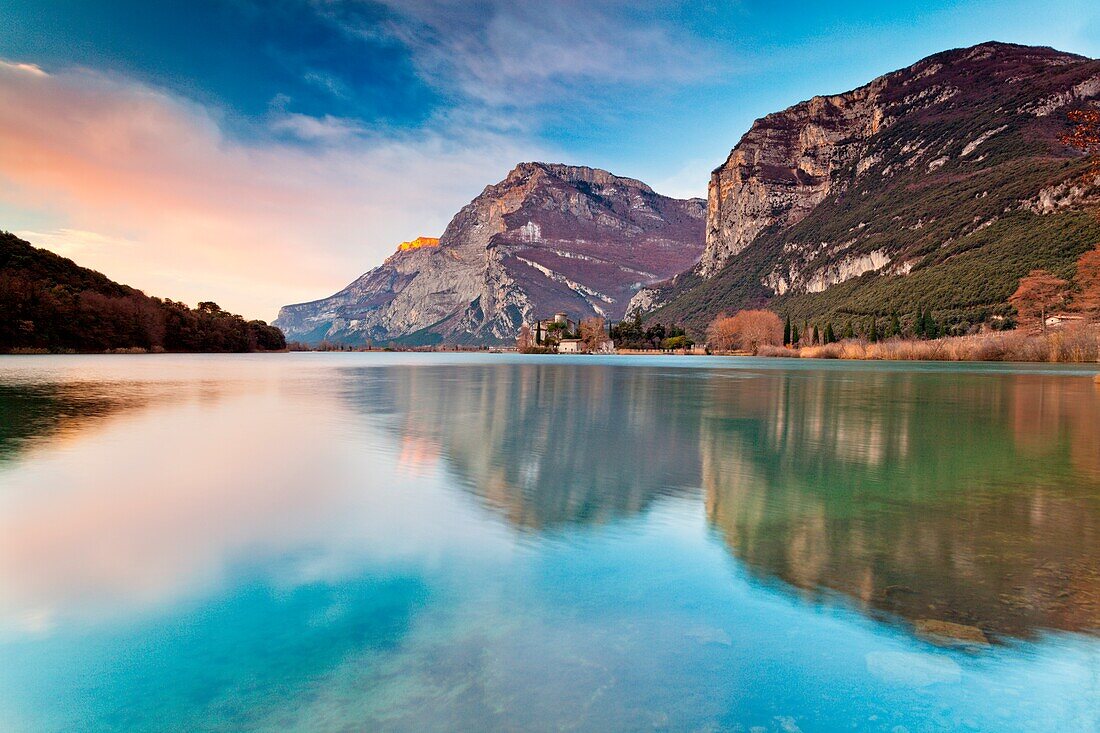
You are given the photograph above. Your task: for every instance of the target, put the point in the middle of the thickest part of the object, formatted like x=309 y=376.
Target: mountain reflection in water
x=972 y=498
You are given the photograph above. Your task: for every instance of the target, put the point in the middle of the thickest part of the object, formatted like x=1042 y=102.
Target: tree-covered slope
x=50 y=302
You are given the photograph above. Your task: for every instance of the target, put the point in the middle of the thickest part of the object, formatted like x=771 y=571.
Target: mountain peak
x=574 y=174
x=1003 y=48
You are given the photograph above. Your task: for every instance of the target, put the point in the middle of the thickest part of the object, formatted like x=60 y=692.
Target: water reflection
x=144 y=495
x=545 y=444
x=969 y=498
x=31 y=413
x=973 y=499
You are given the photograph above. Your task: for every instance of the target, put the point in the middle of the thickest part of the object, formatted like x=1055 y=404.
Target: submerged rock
x=951 y=632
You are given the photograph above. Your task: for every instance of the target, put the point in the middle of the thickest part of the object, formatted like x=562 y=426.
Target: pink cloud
x=203 y=216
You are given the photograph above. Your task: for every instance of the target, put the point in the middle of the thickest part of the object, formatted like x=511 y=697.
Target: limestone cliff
x=783 y=167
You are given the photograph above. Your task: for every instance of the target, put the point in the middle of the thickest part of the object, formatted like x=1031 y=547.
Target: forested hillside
x=49 y=302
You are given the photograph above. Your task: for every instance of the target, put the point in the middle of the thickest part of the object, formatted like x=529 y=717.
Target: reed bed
x=1071 y=345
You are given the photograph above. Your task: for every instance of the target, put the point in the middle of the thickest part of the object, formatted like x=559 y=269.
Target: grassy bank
x=1071 y=345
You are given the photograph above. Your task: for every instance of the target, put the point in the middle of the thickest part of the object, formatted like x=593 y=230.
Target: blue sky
x=258 y=153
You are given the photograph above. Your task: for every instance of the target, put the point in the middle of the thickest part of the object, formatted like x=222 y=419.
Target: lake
x=413 y=542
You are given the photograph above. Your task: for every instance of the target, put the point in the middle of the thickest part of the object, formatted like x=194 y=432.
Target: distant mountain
x=937 y=186
x=50 y=302
x=547 y=238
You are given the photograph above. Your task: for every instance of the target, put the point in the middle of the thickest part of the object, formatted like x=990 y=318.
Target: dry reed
x=1076 y=344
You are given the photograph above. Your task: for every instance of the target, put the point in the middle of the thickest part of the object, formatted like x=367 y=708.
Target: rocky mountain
x=547 y=238
x=938 y=185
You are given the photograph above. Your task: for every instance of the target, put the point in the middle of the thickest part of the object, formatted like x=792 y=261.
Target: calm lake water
x=346 y=542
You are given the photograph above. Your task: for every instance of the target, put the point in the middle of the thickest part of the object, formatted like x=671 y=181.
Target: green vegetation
x=961 y=230
x=48 y=303
x=632 y=334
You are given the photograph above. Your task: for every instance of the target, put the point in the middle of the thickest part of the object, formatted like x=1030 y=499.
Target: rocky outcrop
x=897 y=176
x=547 y=238
x=783 y=167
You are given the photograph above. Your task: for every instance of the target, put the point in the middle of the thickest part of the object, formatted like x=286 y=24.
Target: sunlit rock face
x=783 y=167
x=547 y=238
x=895 y=176
x=418 y=243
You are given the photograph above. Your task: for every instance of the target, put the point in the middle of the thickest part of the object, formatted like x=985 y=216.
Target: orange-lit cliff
x=418 y=243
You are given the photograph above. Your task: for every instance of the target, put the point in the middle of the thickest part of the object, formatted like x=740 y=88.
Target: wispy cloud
x=523 y=53
x=175 y=206
x=326 y=129
x=20 y=68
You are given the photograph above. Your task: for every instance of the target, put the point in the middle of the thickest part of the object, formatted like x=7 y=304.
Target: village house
x=560 y=321
x=550 y=331
x=558 y=333
x=1058 y=320
x=570 y=346
x=561 y=334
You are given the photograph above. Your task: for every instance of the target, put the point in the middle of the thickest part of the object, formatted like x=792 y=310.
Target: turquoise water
x=345 y=542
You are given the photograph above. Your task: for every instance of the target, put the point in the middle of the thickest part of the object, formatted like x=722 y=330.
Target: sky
x=263 y=153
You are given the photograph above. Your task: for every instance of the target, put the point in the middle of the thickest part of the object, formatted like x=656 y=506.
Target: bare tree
x=1038 y=294
x=1085 y=135
x=593 y=333
x=747 y=330
x=1087 y=280
x=721 y=334
x=525 y=340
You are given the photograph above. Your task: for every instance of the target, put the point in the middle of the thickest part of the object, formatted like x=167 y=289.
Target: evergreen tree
x=815 y=338
x=895 y=326
x=931 y=328
x=849 y=330
x=918 y=324
x=538 y=333
x=787 y=331
x=795 y=335
x=830 y=337
x=873 y=331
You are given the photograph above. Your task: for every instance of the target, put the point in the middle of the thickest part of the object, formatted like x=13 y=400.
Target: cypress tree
x=787 y=331
x=918 y=324
x=538 y=333
x=829 y=336
x=895 y=326
x=849 y=330
x=794 y=335
x=815 y=337
x=873 y=337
